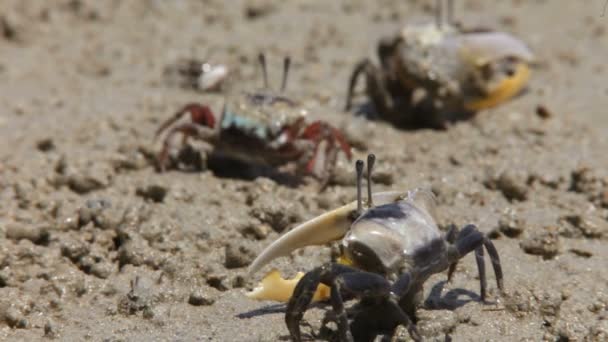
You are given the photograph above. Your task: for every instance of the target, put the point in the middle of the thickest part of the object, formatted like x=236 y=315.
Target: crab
x=196 y=74
x=390 y=246
x=436 y=73
x=261 y=127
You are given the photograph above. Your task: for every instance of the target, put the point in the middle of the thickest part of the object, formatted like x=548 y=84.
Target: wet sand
x=97 y=245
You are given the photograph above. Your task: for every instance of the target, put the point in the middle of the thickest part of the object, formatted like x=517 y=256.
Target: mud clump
x=51 y=330
x=85 y=180
x=256 y=230
x=45 y=145
x=589 y=182
x=256 y=9
x=520 y=303
x=511 y=225
x=14 y=318
x=135 y=251
x=203 y=296
x=550 y=304
x=278 y=215
x=90 y=212
x=512 y=185
x=100 y=213
x=37 y=234
x=131 y=158
x=89 y=258
x=139 y=299
x=216 y=278
x=545 y=244
x=588 y=225
x=238 y=255
x=154 y=193
x=435 y=322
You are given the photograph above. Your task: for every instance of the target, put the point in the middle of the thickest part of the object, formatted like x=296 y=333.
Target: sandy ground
x=96 y=245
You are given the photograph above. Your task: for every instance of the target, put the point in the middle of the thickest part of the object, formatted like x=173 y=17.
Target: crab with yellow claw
x=263 y=127
x=391 y=245
x=436 y=73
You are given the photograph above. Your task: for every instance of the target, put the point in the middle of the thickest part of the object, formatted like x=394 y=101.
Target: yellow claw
x=274 y=287
x=508 y=88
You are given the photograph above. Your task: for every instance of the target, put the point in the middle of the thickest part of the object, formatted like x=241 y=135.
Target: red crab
x=263 y=127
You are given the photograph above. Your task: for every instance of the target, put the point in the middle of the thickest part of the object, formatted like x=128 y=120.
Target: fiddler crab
x=390 y=246
x=197 y=74
x=436 y=73
x=262 y=127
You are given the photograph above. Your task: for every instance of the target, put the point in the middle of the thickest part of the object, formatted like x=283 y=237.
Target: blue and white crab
x=261 y=127
x=390 y=245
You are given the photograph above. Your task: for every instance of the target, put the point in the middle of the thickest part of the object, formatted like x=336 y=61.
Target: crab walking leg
x=331 y=156
x=303 y=294
x=374 y=286
x=318 y=131
x=495 y=263
x=349 y=281
x=326 y=142
x=328 y=227
x=199 y=114
x=375 y=83
x=471 y=239
x=454 y=235
x=481 y=268
x=359 y=68
x=450 y=237
x=187 y=129
x=338 y=305
x=481 y=265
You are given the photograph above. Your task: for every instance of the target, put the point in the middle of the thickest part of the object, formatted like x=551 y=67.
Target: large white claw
x=328 y=227
x=483 y=47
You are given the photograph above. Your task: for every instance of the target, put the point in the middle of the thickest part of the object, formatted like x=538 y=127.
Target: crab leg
x=328 y=227
x=319 y=132
x=199 y=114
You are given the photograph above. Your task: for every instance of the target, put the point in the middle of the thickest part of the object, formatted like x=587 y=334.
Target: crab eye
x=365 y=257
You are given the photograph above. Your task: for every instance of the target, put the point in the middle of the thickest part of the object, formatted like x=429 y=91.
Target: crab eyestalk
x=286 y=64
x=262 y=59
x=440 y=18
x=359 y=169
x=371 y=159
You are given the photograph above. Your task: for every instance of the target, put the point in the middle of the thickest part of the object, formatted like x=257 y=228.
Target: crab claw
x=212 y=77
x=491 y=45
x=328 y=227
x=274 y=287
x=481 y=49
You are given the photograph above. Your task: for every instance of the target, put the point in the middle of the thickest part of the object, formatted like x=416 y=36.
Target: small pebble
x=45 y=145
x=203 y=296
x=255 y=9
x=83 y=183
x=102 y=269
x=14 y=318
x=543 y=112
